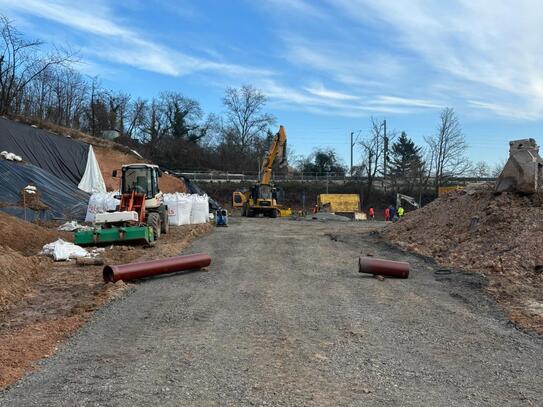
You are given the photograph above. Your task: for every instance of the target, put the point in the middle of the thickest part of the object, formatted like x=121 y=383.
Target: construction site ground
x=282 y=317
x=49 y=301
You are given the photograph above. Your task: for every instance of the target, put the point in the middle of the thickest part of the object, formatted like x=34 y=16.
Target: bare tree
x=153 y=123
x=135 y=117
x=245 y=119
x=448 y=148
x=498 y=168
x=20 y=62
x=481 y=170
x=372 y=151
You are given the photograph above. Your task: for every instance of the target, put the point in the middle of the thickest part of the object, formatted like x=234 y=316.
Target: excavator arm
x=409 y=199
x=277 y=151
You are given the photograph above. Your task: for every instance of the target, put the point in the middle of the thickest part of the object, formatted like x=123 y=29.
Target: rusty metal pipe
x=388 y=268
x=134 y=271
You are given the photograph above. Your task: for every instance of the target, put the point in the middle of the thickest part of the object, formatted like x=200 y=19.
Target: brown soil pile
x=26 y=238
x=20 y=242
x=477 y=230
x=16 y=275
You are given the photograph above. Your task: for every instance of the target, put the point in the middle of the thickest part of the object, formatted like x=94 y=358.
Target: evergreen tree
x=323 y=161
x=405 y=161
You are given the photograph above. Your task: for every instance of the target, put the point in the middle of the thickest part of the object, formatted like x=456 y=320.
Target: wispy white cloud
x=344 y=57
x=493 y=47
x=116 y=41
x=329 y=102
x=321 y=91
x=401 y=101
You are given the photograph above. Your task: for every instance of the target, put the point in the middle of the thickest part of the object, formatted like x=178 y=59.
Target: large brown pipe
x=133 y=271
x=389 y=268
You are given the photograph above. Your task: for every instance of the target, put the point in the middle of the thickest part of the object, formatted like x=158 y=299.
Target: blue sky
x=327 y=66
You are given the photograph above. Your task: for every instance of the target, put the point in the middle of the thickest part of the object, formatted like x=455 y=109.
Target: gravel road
x=283 y=318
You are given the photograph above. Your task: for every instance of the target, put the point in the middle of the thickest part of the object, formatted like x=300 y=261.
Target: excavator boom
x=277 y=151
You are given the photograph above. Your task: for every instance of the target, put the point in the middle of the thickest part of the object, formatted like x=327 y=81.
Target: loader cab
x=141 y=179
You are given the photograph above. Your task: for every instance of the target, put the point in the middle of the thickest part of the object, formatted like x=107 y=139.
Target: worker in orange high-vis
x=387 y=214
x=372 y=213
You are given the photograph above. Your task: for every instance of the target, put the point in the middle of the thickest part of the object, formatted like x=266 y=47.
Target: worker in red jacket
x=372 y=213
x=387 y=214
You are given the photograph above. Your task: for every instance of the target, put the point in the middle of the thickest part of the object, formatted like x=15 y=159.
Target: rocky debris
x=326 y=216
x=500 y=235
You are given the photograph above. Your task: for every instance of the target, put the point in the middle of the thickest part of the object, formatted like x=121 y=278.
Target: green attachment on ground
x=101 y=236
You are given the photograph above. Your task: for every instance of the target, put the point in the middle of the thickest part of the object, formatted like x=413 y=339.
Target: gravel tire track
x=283 y=318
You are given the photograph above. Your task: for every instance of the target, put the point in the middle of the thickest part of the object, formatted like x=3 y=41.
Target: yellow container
x=445 y=190
x=339 y=203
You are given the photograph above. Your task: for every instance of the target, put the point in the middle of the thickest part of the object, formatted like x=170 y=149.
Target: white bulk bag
x=110 y=202
x=184 y=205
x=170 y=200
x=200 y=209
x=101 y=202
x=179 y=208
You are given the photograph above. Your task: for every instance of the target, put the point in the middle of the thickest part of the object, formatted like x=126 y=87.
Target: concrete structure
x=523 y=172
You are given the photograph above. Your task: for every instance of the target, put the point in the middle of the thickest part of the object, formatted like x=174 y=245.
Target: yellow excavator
x=263 y=197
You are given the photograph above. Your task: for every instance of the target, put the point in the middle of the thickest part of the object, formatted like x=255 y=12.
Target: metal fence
x=212 y=176
x=215 y=176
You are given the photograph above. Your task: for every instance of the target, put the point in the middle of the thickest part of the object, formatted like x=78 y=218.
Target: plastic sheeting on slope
x=63 y=157
x=195 y=189
x=65 y=201
x=70 y=160
x=92 y=180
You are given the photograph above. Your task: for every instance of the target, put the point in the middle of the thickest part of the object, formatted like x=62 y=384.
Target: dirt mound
x=477 y=230
x=16 y=273
x=20 y=242
x=24 y=237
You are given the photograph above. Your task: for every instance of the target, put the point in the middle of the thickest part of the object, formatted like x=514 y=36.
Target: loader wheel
x=273 y=213
x=153 y=220
x=165 y=224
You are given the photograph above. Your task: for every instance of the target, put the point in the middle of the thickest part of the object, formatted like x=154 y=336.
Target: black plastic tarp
x=195 y=189
x=64 y=200
x=61 y=156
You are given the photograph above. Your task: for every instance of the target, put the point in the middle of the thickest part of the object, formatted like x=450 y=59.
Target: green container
x=96 y=237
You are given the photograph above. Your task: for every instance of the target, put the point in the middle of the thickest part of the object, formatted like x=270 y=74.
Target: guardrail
x=253 y=177
x=216 y=176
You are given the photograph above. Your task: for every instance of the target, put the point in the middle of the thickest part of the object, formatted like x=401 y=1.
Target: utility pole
x=327 y=169
x=352 y=145
x=385 y=153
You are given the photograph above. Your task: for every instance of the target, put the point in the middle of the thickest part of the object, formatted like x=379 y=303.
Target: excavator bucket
x=523 y=172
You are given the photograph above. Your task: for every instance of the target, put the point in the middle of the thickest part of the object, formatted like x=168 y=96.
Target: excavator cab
x=263 y=197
